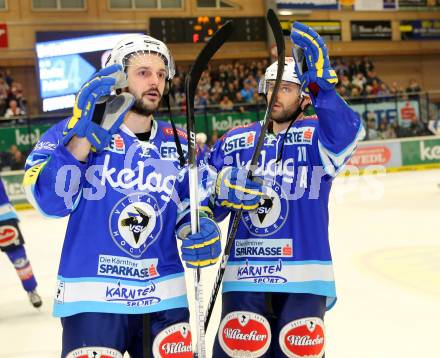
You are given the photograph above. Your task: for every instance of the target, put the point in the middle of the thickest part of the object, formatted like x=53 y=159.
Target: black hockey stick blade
x=279 y=39
x=277 y=31
x=202 y=60
x=193 y=78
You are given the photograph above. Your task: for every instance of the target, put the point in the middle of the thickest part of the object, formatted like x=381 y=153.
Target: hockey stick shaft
x=191 y=81
x=279 y=39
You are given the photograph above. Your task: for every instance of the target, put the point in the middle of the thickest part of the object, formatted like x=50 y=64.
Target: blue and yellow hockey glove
x=234 y=190
x=203 y=248
x=319 y=70
x=96 y=114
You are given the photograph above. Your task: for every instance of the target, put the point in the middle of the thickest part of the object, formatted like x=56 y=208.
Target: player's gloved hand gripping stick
x=203 y=248
x=233 y=189
x=97 y=114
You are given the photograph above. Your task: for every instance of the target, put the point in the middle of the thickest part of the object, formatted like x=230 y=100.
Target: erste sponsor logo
x=301 y=135
x=239 y=141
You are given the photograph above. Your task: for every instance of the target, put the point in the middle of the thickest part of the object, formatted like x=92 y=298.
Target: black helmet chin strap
x=166 y=98
x=292 y=119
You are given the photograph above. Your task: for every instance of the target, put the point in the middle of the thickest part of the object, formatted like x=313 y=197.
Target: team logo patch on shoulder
x=239 y=141
x=270 y=215
x=8 y=235
x=94 y=352
x=135 y=223
x=302 y=338
x=174 y=341
x=244 y=334
x=301 y=135
x=117 y=144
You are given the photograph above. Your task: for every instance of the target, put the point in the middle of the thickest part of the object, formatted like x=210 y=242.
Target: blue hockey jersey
x=283 y=246
x=120 y=252
x=7 y=211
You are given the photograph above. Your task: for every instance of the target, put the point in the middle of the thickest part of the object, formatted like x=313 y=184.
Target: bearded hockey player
x=120 y=176
x=12 y=244
x=279 y=280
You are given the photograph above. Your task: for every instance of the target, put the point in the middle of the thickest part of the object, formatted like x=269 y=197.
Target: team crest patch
x=135 y=223
x=117 y=144
x=244 y=334
x=94 y=352
x=302 y=338
x=270 y=215
x=8 y=235
x=174 y=341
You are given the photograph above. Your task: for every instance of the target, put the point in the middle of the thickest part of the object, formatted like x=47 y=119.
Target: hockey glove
x=96 y=114
x=234 y=190
x=203 y=248
x=319 y=70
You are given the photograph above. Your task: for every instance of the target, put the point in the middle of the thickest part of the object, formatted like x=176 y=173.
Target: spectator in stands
x=4 y=93
x=396 y=90
x=226 y=104
x=372 y=132
x=355 y=97
x=413 y=87
x=345 y=82
x=13 y=110
x=434 y=124
x=247 y=93
x=359 y=80
x=238 y=105
x=386 y=131
x=17 y=158
x=200 y=100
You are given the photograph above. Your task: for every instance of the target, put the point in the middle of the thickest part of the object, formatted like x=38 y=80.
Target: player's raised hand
x=96 y=114
x=319 y=70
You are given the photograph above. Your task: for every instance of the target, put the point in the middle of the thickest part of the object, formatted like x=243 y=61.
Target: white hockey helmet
x=289 y=74
x=133 y=44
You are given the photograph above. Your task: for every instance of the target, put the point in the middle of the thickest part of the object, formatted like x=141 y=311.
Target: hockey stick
x=191 y=82
x=279 y=39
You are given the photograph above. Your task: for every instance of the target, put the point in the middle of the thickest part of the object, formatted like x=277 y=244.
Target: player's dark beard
x=286 y=116
x=141 y=108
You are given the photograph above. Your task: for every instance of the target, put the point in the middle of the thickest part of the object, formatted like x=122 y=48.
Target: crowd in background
x=233 y=87
x=227 y=87
x=12 y=100
x=358 y=78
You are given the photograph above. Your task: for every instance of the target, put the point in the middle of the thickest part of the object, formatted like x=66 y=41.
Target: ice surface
x=385 y=242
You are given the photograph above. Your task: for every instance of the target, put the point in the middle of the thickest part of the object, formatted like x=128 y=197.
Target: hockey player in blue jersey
x=121 y=177
x=12 y=244
x=279 y=281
